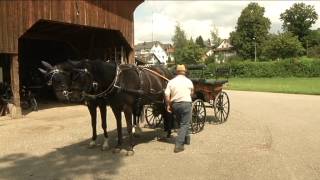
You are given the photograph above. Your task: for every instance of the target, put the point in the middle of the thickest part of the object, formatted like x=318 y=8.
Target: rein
x=155 y=73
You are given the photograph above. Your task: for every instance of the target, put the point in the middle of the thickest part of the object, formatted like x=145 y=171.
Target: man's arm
x=168 y=98
x=168 y=101
x=168 y=104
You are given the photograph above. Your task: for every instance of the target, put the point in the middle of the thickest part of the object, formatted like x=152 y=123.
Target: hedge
x=303 y=67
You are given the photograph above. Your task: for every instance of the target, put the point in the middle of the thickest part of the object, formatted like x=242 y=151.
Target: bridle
x=53 y=73
x=95 y=85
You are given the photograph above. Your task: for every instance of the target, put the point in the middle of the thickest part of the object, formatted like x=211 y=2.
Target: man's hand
x=169 y=109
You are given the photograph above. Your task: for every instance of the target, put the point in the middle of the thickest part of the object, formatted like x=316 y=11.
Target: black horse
x=60 y=77
x=126 y=88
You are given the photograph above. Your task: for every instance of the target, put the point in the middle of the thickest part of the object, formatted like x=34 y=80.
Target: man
x=178 y=98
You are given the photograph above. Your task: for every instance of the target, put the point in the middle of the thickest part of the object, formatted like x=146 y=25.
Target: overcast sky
x=157 y=19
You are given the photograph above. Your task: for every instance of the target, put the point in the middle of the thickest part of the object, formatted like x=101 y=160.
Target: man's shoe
x=187 y=140
x=178 y=148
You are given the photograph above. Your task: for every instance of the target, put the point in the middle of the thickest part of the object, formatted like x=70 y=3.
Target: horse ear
x=47 y=65
x=43 y=71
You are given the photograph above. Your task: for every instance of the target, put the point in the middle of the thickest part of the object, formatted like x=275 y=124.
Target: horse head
x=59 y=77
x=92 y=77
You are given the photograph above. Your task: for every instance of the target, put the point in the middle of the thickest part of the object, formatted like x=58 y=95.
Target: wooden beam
x=14 y=71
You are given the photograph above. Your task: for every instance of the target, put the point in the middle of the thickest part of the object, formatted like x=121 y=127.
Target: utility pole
x=255 y=49
x=307 y=48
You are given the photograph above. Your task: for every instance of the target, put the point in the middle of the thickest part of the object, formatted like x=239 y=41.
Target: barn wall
x=17 y=16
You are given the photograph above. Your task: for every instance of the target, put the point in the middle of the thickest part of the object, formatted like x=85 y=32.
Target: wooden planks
x=17 y=16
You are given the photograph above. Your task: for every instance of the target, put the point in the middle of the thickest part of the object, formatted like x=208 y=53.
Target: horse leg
x=135 y=116
x=128 y=114
x=93 y=114
x=117 y=114
x=103 y=112
x=136 y=130
x=134 y=124
x=137 y=112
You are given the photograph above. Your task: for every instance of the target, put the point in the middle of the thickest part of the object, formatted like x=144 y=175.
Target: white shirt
x=179 y=89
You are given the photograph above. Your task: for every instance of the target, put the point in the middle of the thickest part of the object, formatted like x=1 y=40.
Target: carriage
x=208 y=93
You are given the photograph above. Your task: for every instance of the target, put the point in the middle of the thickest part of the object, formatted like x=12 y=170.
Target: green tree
x=179 y=42
x=299 y=19
x=200 y=42
x=208 y=43
x=252 y=29
x=215 y=39
x=191 y=53
x=312 y=39
x=312 y=43
x=284 y=45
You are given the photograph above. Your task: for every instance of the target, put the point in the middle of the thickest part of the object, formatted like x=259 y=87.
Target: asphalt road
x=267 y=136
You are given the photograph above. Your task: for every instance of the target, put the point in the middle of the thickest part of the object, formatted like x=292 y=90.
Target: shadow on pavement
x=70 y=162
x=48 y=105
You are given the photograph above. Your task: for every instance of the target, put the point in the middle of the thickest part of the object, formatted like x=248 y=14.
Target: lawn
x=283 y=85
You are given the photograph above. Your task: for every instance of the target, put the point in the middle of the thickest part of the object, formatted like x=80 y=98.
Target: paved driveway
x=267 y=136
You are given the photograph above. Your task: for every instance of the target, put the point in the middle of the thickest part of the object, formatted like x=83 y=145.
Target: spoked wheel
x=153 y=116
x=34 y=104
x=221 y=106
x=25 y=104
x=198 y=116
x=31 y=103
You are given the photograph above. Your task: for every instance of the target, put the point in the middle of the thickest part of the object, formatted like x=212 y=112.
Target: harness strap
x=109 y=89
x=140 y=77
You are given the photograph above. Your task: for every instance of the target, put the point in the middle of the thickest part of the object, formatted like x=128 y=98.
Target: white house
x=151 y=52
x=159 y=53
x=222 y=52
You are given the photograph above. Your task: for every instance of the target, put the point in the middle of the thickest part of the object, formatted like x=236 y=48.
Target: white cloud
x=198 y=17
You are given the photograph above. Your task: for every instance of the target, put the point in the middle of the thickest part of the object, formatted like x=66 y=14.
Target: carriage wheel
x=153 y=116
x=34 y=104
x=221 y=106
x=198 y=116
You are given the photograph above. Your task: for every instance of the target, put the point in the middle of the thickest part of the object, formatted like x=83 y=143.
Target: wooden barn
x=57 y=30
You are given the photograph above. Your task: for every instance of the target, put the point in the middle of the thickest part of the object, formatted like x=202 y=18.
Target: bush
x=303 y=67
x=314 y=51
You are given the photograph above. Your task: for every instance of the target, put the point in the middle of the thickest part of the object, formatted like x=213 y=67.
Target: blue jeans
x=183 y=112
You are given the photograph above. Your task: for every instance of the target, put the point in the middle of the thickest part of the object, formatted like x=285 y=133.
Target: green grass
x=281 y=85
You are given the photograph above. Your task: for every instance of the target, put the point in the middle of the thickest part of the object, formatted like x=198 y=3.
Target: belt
x=182 y=102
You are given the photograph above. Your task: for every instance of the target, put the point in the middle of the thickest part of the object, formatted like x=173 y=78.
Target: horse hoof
x=92 y=144
x=123 y=152
x=138 y=130
x=130 y=153
x=116 y=150
x=105 y=148
x=105 y=145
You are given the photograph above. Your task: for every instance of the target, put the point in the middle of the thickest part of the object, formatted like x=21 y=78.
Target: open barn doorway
x=57 y=42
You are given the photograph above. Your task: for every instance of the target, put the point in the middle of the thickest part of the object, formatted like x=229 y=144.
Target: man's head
x=181 y=69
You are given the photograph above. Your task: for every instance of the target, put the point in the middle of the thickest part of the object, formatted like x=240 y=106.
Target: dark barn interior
x=56 y=42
